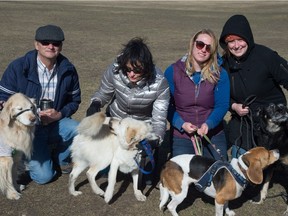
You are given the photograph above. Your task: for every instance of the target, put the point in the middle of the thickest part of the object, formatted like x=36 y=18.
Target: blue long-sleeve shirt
x=221 y=99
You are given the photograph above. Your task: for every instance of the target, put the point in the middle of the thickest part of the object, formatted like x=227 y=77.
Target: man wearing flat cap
x=49 y=77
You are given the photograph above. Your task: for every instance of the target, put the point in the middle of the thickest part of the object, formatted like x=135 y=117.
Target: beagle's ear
x=254 y=172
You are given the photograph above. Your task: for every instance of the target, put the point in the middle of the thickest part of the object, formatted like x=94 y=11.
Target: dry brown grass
x=94 y=33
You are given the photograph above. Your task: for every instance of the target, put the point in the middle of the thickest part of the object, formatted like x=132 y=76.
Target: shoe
x=66 y=168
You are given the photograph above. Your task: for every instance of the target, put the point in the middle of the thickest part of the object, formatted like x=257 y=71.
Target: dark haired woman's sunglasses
x=200 y=45
x=136 y=70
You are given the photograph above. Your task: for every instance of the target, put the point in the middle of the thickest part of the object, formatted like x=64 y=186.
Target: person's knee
x=41 y=174
x=73 y=127
x=70 y=129
x=236 y=151
x=42 y=177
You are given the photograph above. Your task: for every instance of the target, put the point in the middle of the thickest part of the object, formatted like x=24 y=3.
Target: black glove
x=154 y=143
x=94 y=107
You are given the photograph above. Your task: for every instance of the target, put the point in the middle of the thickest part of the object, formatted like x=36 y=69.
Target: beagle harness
x=207 y=177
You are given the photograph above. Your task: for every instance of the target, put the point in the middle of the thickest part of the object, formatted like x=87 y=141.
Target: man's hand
x=50 y=115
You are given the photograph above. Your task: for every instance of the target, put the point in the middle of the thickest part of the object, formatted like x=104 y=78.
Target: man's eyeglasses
x=46 y=43
x=136 y=70
x=200 y=45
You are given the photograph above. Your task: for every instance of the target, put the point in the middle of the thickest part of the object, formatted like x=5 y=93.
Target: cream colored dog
x=17 y=121
x=99 y=145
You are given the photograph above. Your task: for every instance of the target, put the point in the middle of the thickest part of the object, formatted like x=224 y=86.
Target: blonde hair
x=210 y=69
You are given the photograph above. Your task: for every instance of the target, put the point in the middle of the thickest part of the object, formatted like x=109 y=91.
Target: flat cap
x=49 y=33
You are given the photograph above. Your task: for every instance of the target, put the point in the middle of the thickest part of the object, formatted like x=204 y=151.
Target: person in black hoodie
x=256 y=75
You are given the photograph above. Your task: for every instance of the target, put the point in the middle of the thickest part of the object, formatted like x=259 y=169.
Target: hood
x=237 y=25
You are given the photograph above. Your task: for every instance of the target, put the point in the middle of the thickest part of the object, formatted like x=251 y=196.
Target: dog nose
x=32 y=118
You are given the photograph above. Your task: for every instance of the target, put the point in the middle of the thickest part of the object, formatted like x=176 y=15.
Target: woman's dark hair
x=135 y=52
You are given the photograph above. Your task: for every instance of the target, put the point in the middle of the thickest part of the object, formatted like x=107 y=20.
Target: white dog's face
x=130 y=131
x=22 y=109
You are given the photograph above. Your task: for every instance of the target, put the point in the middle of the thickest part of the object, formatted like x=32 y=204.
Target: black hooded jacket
x=261 y=71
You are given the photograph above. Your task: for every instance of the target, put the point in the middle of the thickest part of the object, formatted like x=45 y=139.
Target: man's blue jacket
x=21 y=76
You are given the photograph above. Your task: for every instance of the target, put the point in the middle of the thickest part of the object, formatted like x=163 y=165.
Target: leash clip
x=138 y=157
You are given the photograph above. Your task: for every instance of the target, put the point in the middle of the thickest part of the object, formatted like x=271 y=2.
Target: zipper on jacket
x=233 y=86
x=196 y=110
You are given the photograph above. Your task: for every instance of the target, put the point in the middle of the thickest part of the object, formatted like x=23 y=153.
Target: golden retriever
x=17 y=124
x=99 y=145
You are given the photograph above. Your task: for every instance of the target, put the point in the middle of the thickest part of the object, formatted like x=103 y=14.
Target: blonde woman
x=200 y=92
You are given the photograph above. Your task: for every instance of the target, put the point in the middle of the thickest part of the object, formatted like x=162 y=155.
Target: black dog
x=273 y=128
x=272 y=133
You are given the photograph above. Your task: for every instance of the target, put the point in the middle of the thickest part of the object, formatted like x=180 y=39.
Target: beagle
x=226 y=181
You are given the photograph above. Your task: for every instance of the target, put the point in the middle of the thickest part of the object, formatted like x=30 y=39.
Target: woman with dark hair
x=134 y=87
x=136 y=52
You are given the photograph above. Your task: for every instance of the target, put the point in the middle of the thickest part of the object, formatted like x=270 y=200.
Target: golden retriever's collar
x=18 y=114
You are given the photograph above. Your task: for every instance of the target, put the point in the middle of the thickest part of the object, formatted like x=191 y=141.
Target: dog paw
x=76 y=193
x=22 y=187
x=139 y=196
x=230 y=213
x=257 y=202
x=13 y=195
x=101 y=192
x=286 y=212
x=259 y=198
x=107 y=197
x=98 y=191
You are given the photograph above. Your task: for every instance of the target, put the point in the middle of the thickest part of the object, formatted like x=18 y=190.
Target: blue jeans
x=60 y=133
x=237 y=151
x=185 y=146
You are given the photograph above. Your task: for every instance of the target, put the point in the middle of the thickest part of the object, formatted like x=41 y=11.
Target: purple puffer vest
x=193 y=102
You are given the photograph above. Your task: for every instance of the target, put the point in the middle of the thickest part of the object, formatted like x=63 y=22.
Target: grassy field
x=95 y=32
